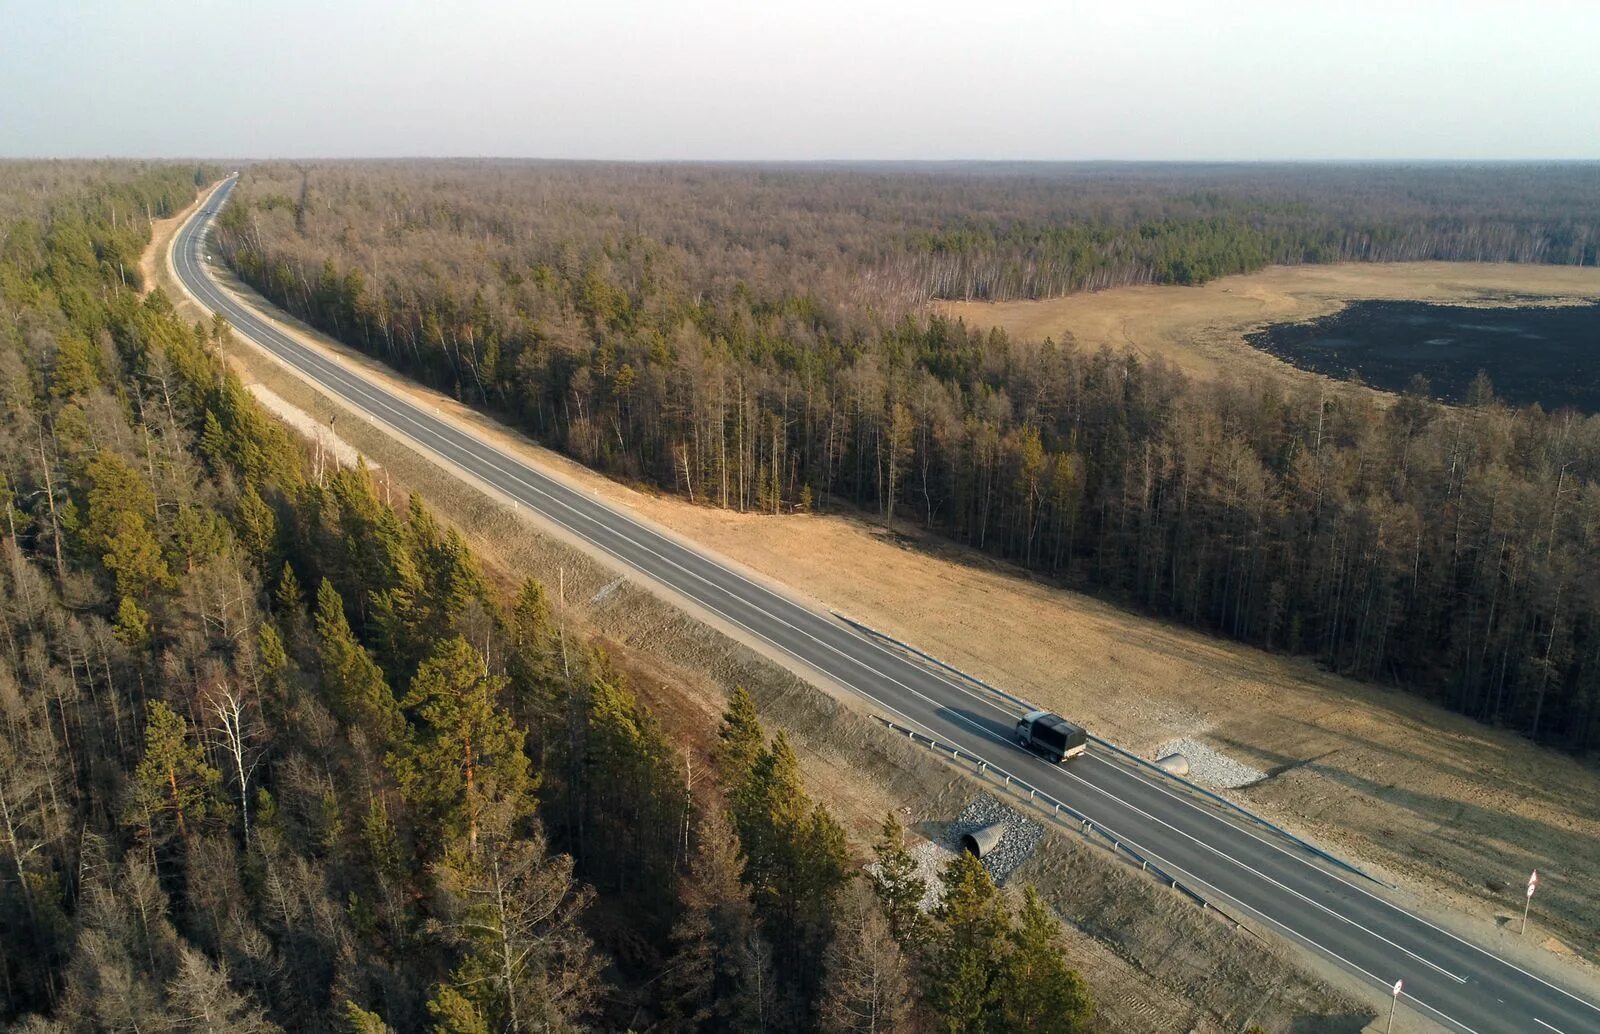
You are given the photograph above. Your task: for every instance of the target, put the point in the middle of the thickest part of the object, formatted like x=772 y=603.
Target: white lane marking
x=1266 y=878
x=354 y=385
x=1546 y=1025
x=1277 y=847
x=1358 y=888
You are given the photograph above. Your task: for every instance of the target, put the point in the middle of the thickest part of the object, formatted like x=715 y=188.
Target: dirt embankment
x=1201 y=330
x=1379 y=775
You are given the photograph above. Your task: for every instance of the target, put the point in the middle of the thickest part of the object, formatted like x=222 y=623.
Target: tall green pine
x=354 y=686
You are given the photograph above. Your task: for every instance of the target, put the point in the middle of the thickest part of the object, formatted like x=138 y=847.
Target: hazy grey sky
x=1170 y=79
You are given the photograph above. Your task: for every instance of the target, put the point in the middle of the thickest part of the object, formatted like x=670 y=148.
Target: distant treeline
x=1190 y=224
x=891 y=236
x=1447 y=550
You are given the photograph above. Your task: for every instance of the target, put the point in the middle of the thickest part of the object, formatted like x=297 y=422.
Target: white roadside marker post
x=1533 y=885
x=1394 y=1000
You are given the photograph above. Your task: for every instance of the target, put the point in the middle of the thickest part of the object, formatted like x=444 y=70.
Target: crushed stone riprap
x=934 y=855
x=1021 y=835
x=1210 y=766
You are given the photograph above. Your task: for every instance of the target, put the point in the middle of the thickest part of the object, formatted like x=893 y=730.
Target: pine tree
x=77 y=369
x=132 y=624
x=538 y=682
x=966 y=977
x=172 y=782
x=288 y=597
x=353 y=684
x=359 y=1021
x=257 y=526
x=289 y=607
x=709 y=983
x=455 y=1013
x=376 y=557
x=795 y=865
x=900 y=890
x=633 y=798
x=120 y=507
x=450 y=579
x=1041 y=992
x=270 y=653
x=739 y=739
x=464 y=753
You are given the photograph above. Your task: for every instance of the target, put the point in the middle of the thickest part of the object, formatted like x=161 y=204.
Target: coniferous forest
x=276 y=755
x=756 y=337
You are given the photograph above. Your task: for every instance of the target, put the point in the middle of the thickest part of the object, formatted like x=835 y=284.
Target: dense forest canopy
x=750 y=336
x=277 y=756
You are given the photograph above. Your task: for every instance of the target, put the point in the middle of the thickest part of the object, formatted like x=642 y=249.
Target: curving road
x=1453 y=982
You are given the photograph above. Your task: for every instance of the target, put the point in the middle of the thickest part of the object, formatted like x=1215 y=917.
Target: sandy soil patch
x=1201 y=329
x=325 y=441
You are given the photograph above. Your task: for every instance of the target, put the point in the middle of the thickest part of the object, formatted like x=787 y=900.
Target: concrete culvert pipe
x=1176 y=764
x=981 y=841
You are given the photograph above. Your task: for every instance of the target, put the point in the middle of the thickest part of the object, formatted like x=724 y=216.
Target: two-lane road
x=1448 y=979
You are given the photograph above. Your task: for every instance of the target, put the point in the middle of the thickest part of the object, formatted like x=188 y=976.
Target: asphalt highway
x=1246 y=869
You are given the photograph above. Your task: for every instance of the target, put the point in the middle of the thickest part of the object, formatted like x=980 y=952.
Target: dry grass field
x=1201 y=330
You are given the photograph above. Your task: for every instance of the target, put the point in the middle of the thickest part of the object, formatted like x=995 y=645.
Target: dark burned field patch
x=1548 y=355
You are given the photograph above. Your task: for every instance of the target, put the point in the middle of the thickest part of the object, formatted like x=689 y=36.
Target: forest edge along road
x=1446 y=977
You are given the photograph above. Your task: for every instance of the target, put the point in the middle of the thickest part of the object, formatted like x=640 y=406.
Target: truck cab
x=1051 y=736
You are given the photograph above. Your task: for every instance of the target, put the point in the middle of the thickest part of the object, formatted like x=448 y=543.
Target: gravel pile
x=1022 y=835
x=932 y=859
x=1017 y=843
x=1211 y=767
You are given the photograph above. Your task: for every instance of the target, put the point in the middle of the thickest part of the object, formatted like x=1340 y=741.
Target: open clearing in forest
x=1201 y=330
x=1455 y=813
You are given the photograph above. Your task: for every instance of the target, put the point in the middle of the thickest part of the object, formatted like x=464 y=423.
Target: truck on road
x=1051 y=736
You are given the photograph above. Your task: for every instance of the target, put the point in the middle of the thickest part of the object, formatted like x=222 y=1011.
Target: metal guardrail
x=1058 y=810
x=1193 y=787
